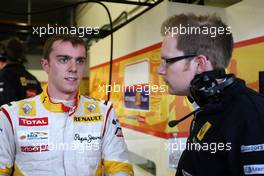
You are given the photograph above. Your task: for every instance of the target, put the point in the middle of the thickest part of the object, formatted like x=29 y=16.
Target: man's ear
x=203 y=64
x=45 y=65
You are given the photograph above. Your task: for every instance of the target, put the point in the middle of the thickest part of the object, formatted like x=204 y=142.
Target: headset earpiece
x=205 y=88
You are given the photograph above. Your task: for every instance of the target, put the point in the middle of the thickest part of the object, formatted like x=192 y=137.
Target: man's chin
x=172 y=92
x=71 y=90
x=178 y=93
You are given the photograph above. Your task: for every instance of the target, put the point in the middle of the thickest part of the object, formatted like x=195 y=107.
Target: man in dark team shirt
x=16 y=82
x=226 y=135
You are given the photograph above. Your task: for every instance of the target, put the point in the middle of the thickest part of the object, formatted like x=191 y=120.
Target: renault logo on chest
x=91 y=107
x=27 y=108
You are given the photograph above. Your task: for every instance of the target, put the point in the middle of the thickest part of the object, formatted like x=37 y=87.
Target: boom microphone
x=173 y=123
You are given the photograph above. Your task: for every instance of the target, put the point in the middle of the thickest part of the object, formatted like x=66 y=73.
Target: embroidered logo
x=203 y=130
x=91 y=107
x=88 y=119
x=33 y=135
x=38 y=148
x=27 y=108
x=86 y=137
x=23 y=81
x=119 y=132
x=33 y=121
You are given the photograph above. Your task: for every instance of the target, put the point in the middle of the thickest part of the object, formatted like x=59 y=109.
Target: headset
x=205 y=89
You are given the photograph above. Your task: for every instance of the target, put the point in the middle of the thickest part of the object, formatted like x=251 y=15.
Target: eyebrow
x=60 y=55
x=79 y=57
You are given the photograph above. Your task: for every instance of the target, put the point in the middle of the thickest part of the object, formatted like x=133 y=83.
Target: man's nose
x=161 y=69
x=73 y=66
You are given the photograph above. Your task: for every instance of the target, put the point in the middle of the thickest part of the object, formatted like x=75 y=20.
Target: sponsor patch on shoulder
x=88 y=119
x=252 y=148
x=254 y=169
x=27 y=108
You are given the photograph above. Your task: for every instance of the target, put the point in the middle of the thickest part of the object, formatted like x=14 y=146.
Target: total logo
x=33 y=121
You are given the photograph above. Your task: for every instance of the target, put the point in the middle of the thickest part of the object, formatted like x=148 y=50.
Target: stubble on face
x=177 y=75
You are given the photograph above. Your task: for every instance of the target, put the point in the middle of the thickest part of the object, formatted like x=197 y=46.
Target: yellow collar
x=55 y=107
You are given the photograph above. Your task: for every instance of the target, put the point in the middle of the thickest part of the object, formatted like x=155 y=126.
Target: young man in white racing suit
x=60 y=132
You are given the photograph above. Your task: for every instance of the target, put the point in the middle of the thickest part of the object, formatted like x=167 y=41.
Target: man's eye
x=80 y=61
x=63 y=60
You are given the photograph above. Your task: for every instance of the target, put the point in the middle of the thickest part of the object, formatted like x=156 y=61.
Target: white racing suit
x=38 y=137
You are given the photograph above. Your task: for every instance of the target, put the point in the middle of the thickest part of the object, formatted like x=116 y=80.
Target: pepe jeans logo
x=88 y=138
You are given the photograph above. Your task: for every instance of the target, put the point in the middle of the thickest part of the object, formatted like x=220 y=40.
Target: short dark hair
x=75 y=40
x=218 y=48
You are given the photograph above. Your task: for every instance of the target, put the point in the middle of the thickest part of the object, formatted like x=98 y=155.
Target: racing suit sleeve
x=114 y=149
x=7 y=143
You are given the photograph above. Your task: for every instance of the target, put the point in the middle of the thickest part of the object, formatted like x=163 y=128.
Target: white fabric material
x=53 y=143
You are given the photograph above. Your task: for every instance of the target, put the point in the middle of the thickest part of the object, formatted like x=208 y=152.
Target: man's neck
x=69 y=103
x=61 y=96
